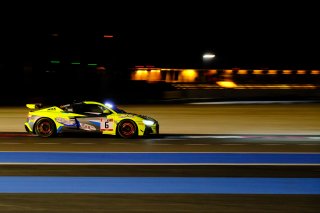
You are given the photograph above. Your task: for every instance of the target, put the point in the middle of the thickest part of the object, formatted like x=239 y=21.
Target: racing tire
x=45 y=128
x=127 y=129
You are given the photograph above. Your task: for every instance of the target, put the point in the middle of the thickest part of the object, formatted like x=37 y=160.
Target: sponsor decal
x=66 y=121
x=127 y=116
x=87 y=127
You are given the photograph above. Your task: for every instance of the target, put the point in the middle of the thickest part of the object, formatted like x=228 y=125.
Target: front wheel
x=45 y=127
x=127 y=129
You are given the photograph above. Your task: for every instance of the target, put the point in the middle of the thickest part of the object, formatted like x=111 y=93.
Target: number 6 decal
x=106 y=124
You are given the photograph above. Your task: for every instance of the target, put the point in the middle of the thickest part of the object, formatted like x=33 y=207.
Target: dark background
x=246 y=34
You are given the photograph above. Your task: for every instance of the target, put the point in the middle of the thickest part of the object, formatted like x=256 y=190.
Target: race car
x=88 y=116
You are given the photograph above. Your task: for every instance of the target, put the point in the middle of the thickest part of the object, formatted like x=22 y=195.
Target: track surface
x=264 y=129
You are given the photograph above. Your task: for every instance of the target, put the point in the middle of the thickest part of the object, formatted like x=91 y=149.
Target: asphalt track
x=247 y=130
x=291 y=119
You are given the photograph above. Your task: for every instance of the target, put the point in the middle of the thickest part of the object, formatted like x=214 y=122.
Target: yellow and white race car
x=88 y=116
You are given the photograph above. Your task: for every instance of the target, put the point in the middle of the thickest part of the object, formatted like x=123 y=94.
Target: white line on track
x=210 y=136
x=121 y=143
x=48 y=143
x=307 y=144
x=271 y=144
x=164 y=152
x=178 y=164
x=233 y=144
x=162 y=144
x=10 y=143
x=83 y=143
x=197 y=144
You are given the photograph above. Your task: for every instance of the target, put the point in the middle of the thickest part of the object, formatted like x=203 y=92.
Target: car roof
x=88 y=102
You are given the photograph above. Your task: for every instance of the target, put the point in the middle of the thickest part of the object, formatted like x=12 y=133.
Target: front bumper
x=154 y=130
x=27 y=128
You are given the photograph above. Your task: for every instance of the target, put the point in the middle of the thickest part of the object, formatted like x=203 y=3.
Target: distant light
x=257 y=72
x=188 y=75
x=107 y=36
x=272 y=72
x=301 y=72
x=213 y=72
x=75 y=63
x=55 y=34
x=226 y=84
x=242 y=72
x=92 y=64
x=228 y=71
x=55 y=62
x=141 y=71
x=208 y=56
x=101 y=68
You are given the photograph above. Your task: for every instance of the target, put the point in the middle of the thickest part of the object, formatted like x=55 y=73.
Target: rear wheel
x=127 y=129
x=45 y=127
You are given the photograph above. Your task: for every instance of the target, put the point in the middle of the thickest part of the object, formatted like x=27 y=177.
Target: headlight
x=148 y=122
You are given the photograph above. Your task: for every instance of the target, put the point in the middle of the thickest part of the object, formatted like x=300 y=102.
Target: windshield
x=116 y=109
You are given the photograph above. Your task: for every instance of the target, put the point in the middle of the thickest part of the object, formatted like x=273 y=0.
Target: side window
x=90 y=109
x=77 y=108
x=67 y=108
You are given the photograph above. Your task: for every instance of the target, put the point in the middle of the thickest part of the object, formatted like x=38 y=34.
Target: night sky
x=166 y=34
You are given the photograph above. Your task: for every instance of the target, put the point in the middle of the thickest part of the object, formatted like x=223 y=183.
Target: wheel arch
x=131 y=120
x=33 y=129
x=50 y=120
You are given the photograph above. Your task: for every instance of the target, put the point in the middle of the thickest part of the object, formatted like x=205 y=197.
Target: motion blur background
x=139 y=53
x=133 y=52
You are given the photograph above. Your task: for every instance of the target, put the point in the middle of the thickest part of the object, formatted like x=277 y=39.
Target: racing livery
x=88 y=116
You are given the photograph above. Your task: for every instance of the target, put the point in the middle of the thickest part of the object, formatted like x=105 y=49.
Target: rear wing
x=34 y=106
